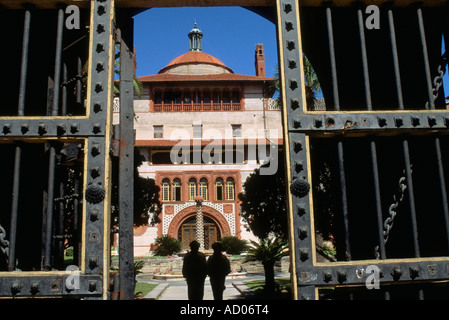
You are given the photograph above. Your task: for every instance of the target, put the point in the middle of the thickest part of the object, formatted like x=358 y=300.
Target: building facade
x=202 y=130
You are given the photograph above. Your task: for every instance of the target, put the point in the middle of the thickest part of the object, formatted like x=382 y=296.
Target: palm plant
x=268 y=251
x=312 y=84
x=137 y=84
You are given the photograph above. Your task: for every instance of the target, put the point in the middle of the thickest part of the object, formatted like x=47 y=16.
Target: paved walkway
x=177 y=289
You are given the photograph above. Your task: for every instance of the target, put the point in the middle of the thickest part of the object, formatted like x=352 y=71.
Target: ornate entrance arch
x=208 y=212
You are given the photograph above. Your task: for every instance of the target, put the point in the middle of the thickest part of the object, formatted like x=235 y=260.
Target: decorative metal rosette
x=95 y=193
x=300 y=187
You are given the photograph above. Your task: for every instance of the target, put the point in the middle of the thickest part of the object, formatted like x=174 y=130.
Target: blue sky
x=230 y=35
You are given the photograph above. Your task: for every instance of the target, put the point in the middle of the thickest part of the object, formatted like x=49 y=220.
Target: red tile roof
x=196 y=57
x=165 y=77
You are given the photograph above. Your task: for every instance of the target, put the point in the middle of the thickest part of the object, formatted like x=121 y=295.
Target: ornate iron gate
x=375 y=156
x=366 y=176
x=56 y=122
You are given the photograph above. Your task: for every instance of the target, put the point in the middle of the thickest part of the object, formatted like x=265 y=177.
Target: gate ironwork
x=366 y=176
x=374 y=156
x=56 y=146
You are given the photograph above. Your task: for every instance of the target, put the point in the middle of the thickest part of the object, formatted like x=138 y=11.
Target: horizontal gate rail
x=21 y=128
x=49 y=284
x=344 y=122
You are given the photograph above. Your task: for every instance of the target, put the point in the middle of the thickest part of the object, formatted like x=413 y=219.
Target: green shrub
x=167 y=246
x=233 y=245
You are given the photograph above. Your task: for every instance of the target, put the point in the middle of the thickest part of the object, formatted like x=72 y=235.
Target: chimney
x=259 y=61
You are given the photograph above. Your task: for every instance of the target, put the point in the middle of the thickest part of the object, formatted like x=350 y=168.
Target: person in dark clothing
x=218 y=267
x=194 y=270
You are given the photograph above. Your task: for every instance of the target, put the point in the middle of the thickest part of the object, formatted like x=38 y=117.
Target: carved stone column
x=199 y=221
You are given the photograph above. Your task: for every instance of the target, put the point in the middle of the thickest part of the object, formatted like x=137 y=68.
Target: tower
x=259 y=60
x=195 y=36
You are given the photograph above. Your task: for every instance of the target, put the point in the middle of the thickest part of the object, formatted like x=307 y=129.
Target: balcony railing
x=186 y=107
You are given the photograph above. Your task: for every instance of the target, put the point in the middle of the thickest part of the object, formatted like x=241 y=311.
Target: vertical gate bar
x=443 y=187
x=394 y=49
x=76 y=190
x=18 y=151
x=411 y=196
x=330 y=33
x=364 y=60
x=64 y=89
x=79 y=84
x=344 y=200
x=14 y=210
x=126 y=161
x=24 y=63
x=375 y=167
x=58 y=59
x=52 y=151
x=60 y=239
x=50 y=207
x=422 y=34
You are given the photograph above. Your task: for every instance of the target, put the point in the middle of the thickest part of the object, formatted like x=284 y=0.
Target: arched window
x=196 y=97
x=230 y=189
x=187 y=96
x=178 y=97
x=165 y=190
x=219 y=189
x=235 y=96
x=216 y=97
x=192 y=189
x=226 y=96
x=158 y=97
x=176 y=190
x=168 y=97
x=206 y=96
x=204 y=192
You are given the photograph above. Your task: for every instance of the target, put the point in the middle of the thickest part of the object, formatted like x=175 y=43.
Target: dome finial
x=195 y=36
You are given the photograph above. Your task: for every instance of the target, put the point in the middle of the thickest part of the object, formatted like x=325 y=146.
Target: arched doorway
x=187 y=232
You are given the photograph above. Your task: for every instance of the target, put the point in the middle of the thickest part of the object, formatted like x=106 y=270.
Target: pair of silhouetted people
x=195 y=269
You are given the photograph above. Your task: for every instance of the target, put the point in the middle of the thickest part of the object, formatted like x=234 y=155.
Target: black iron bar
x=442 y=186
x=422 y=34
x=366 y=80
x=50 y=207
x=344 y=200
x=79 y=85
x=18 y=152
x=126 y=163
x=394 y=50
x=14 y=210
x=60 y=231
x=24 y=63
x=330 y=33
x=58 y=59
x=64 y=89
x=411 y=196
x=52 y=150
x=378 y=199
x=76 y=188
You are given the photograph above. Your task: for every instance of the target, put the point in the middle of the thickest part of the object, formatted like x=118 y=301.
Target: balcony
x=196 y=107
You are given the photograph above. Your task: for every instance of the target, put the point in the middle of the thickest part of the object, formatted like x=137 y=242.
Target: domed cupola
x=195 y=62
x=195 y=36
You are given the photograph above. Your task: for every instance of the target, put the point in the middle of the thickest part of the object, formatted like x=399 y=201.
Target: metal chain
x=438 y=80
x=4 y=244
x=392 y=210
